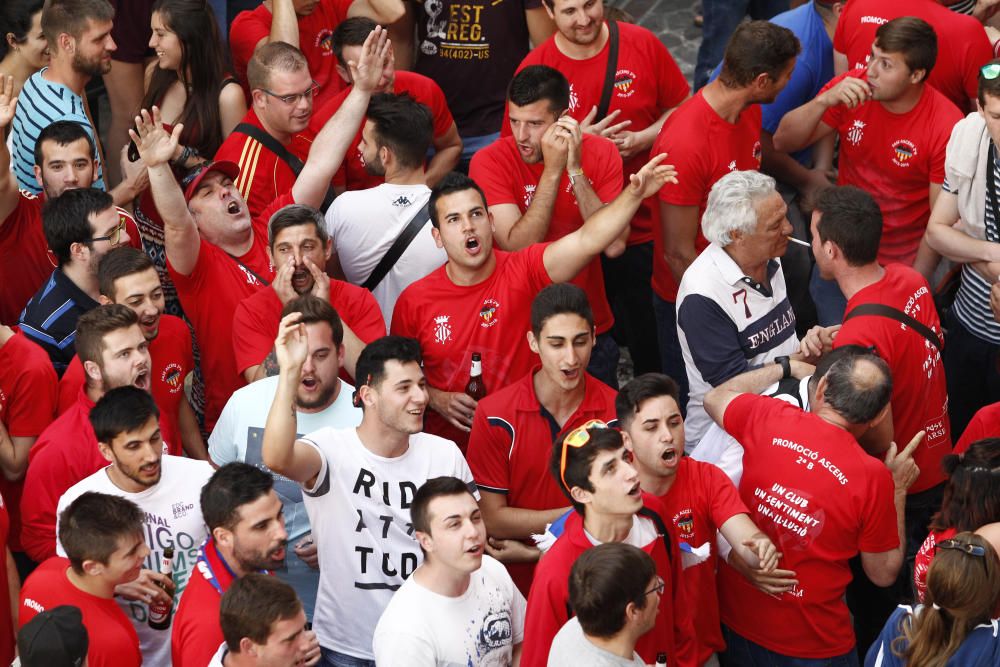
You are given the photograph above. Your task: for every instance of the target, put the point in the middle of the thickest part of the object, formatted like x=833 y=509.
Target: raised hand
x=8 y=100
x=904 y=470
x=647 y=181
x=555 y=148
x=291 y=346
x=604 y=128
x=156 y=146
x=375 y=54
x=851 y=92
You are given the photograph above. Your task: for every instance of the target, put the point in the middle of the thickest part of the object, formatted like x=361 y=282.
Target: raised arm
x=567 y=256
x=280 y=451
x=284 y=24
x=752 y=382
x=336 y=137
x=804 y=126
x=9 y=195
x=156 y=147
x=447 y=152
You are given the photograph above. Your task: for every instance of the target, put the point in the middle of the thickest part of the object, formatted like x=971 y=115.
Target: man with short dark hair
x=80 y=226
x=609 y=589
x=358 y=484
x=166 y=488
x=758 y=63
x=394 y=141
x=479 y=300
x=514 y=427
x=594 y=471
x=263 y=623
x=299 y=249
x=820 y=498
x=104 y=550
x=458 y=596
x=355 y=173
x=247 y=534
x=893 y=131
x=542 y=182
x=114 y=353
x=905 y=331
x=321 y=399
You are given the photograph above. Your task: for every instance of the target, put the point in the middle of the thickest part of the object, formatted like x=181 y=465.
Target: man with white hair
x=733 y=311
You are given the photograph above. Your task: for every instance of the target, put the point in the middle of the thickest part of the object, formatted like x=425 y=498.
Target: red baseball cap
x=194 y=179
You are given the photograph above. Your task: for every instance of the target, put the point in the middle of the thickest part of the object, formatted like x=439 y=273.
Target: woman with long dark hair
x=955 y=627
x=971 y=500
x=23 y=49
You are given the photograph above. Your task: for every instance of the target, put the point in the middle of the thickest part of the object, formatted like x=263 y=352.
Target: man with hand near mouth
x=114 y=353
x=893 y=131
x=321 y=399
x=478 y=301
x=458 y=596
x=216 y=250
x=166 y=488
x=359 y=484
x=698 y=497
x=246 y=534
x=299 y=249
x=514 y=428
x=594 y=470
x=127 y=276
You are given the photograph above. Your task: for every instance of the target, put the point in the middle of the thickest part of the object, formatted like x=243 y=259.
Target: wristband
x=573 y=175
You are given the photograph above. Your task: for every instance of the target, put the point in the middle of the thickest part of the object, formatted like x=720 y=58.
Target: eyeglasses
x=990 y=71
x=971 y=549
x=658 y=588
x=576 y=438
x=113 y=237
x=294 y=98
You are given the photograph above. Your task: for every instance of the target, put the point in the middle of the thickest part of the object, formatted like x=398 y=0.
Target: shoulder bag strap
x=882 y=310
x=397 y=248
x=609 y=75
x=246 y=268
x=273 y=145
x=991 y=185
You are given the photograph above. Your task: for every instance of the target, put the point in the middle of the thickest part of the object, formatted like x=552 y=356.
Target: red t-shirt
x=922 y=561
x=113 y=641
x=895 y=157
x=196 y=634
x=700 y=163
x=210 y=295
x=6 y=628
x=264 y=176
x=511 y=443
x=962 y=43
x=919 y=392
x=315 y=42
x=701 y=499
x=507 y=179
x=352 y=174
x=27 y=407
x=255 y=325
x=984 y=424
x=24 y=263
x=647 y=83
x=821 y=499
x=172 y=359
x=492 y=317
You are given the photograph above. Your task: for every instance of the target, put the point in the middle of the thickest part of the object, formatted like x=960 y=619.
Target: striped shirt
x=50 y=318
x=972 y=302
x=41 y=103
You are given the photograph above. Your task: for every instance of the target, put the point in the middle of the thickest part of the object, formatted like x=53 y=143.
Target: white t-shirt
x=477 y=629
x=219 y=655
x=364 y=224
x=571 y=647
x=359 y=508
x=173 y=518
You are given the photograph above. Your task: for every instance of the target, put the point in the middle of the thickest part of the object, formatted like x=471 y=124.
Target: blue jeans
x=469 y=147
x=745 y=653
x=721 y=19
x=334 y=659
x=670 y=346
x=829 y=300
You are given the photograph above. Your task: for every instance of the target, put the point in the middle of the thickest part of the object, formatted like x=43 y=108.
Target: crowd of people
x=444 y=333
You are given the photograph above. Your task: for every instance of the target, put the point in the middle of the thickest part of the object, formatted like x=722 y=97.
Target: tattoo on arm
x=270 y=365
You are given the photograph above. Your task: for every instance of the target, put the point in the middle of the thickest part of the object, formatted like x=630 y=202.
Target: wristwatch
x=786 y=366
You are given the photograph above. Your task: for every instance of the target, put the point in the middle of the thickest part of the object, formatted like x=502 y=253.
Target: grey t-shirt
x=570 y=647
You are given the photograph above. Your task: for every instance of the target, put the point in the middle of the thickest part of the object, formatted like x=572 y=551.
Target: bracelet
x=185 y=155
x=573 y=175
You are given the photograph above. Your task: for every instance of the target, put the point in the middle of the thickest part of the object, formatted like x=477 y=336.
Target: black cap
x=54 y=638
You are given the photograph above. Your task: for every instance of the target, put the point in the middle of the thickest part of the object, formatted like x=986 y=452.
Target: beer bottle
x=160 y=613
x=476 y=388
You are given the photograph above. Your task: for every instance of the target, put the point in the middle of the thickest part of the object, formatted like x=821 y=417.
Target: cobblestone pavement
x=673 y=22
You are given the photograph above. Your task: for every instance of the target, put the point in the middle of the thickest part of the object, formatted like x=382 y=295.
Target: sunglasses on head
x=576 y=438
x=971 y=549
x=990 y=71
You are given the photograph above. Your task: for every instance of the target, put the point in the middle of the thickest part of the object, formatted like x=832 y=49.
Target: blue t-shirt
x=813 y=69
x=41 y=103
x=981 y=647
